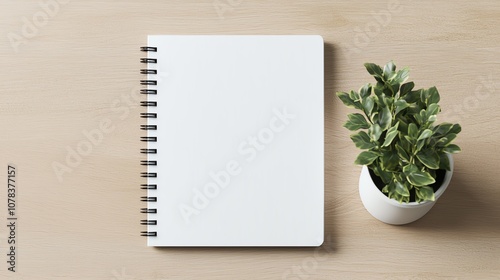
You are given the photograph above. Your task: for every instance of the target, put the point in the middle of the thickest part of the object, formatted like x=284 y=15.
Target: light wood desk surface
x=69 y=68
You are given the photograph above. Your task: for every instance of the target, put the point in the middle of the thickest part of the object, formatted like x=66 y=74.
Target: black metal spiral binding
x=148 y=91
x=148 y=198
x=149 y=139
x=149 y=151
x=148 y=103
x=149 y=49
x=148 y=175
x=149 y=127
x=148 y=210
x=149 y=60
x=148 y=186
x=148 y=82
x=148 y=115
x=148 y=71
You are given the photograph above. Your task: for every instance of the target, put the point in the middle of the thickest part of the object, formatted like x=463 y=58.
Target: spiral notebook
x=235 y=140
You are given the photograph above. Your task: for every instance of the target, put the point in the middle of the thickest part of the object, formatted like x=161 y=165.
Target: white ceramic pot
x=391 y=211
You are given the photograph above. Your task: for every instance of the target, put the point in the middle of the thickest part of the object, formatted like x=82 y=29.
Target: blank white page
x=240 y=140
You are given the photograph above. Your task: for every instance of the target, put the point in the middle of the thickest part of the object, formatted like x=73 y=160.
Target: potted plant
x=406 y=157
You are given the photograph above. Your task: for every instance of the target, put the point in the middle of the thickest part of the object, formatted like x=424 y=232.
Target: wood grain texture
x=76 y=68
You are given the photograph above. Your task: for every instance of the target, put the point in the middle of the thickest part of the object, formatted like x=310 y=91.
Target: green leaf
x=385 y=118
x=394 y=88
x=414 y=108
x=344 y=97
x=354 y=95
x=429 y=158
x=413 y=96
x=425 y=134
x=432 y=109
x=420 y=178
x=391 y=192
x=423 y=95
x=401 y=104
x=420 y=145
x=390 y=135
x=450 y=137
x=362 y=140
x=406 y=88
x=400 y=189
x=443 y=142
x=388 y=101
x=444 y=162
x=389 y=69
x=452 y=149
x=423 y=116
x=412 y=131
x=365 y=91
x=366 y=158
x=356 y=99
x=425 y=193
x=418 y=118
x=402 y=153
x=378 y=91
x=384 y=175
x=403 y=123
x=374 y=117
x=410 y=168
x=399 y=198
x=402 y=75
x=356 y=121
x=456 y=128
x=368 y=105
x=390 y=160
x=409 y=140
x=401 y=178
x=374 y=69
x=442 y=129
x=433 y=96
x=386 y=189
x=375 y=131
x=406 y=143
